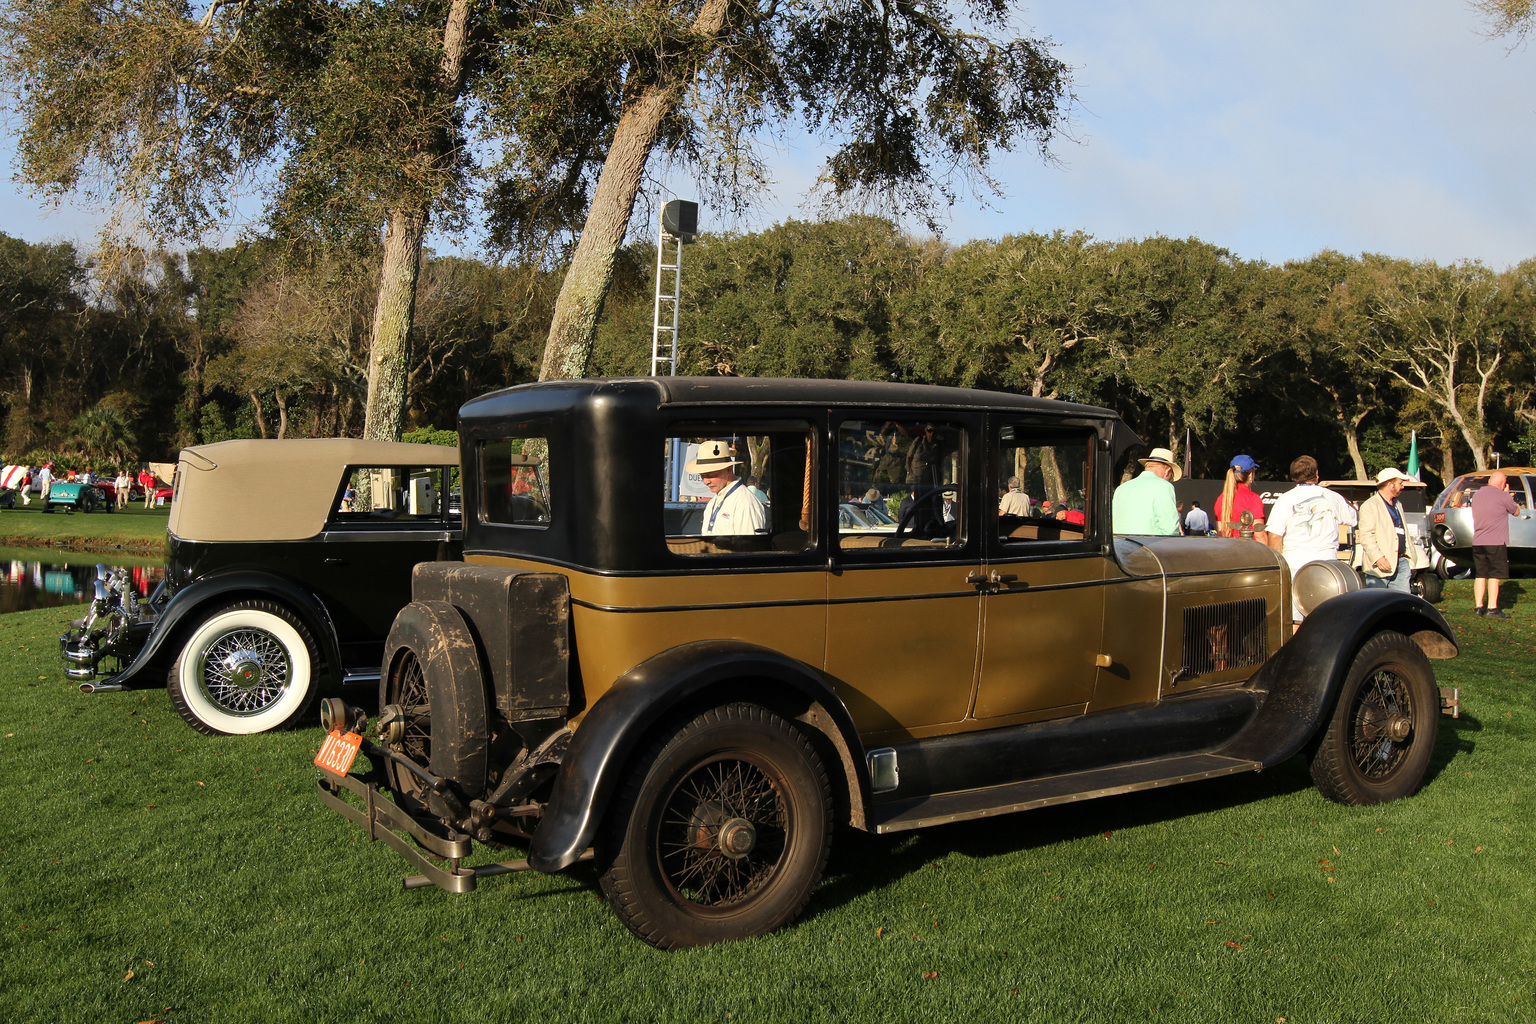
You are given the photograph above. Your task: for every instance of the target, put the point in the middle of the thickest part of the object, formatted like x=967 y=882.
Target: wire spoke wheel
x=1382 y=732
x=407 y=688
x=720 y=831
x=245 y=669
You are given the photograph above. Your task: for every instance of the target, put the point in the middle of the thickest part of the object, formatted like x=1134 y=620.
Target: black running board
x=1056 y=789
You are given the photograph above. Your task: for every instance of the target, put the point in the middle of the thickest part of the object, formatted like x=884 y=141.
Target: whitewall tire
x=246 y=669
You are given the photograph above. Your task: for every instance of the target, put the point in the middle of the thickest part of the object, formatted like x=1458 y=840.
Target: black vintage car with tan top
x=283 y=558
x=604 y=677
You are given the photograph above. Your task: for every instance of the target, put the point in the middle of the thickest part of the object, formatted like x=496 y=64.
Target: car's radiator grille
x=1222 y=636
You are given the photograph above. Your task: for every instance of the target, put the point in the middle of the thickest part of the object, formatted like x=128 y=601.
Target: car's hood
x=1152 y=556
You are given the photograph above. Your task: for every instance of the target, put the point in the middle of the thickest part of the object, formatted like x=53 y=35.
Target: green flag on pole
x=1413 y=456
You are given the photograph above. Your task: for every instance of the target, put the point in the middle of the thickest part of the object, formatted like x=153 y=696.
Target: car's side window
x=900 y=484
x=1044 y=480
x=390 y=494
x=732 y=487
x=515 y=480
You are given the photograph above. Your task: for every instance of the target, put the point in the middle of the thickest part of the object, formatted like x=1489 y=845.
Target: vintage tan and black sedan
x=632 y=663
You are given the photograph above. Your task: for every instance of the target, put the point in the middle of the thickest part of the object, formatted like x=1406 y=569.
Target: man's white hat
x=713 y=456
x=1391 y=473
x=1164 y=456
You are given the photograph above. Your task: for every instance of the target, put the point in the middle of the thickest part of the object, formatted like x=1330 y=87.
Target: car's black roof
x=760 y=391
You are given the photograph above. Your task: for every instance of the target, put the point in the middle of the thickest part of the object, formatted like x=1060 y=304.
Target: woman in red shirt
x=1237 y=496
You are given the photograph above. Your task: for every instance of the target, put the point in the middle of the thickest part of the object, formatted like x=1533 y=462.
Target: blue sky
x=1272 y=129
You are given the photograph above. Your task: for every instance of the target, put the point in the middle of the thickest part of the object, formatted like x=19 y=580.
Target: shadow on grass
x=863 y=862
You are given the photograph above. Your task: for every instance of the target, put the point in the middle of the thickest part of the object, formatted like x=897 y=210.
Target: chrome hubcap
x=245 y=672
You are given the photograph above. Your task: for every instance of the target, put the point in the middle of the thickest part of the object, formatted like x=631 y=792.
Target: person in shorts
x=1491 y=508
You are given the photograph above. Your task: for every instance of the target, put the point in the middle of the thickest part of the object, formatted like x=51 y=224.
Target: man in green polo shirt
x=1146 y=504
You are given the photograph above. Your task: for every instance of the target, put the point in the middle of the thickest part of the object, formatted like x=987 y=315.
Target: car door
x=1043 y=605
x=903 y=614
x=397 y=517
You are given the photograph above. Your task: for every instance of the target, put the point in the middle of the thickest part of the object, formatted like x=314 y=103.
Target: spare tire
x=432 y=672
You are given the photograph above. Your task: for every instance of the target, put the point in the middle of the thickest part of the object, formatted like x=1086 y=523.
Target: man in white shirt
x=1015 y=502
x=1303 y=524
x=44 y=481
x=733 y=509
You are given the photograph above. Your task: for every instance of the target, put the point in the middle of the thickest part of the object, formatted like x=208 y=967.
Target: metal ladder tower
x=664 y=316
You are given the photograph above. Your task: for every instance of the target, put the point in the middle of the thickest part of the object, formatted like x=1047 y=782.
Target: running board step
x=940 y=808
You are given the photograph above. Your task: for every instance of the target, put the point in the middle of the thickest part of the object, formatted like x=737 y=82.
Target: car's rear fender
x=210 y=592
x=1303 y=678
x=687 y=676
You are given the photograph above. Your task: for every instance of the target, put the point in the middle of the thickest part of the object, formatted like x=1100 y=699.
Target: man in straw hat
x=1146 y=505
x=1388 y=555
x=733 y=509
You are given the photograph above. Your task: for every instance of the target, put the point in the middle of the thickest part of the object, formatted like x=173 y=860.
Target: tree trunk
x=389 y=352
x=568 y=350
x=282 y=415
x=389 y=349
x=573 y=329
x=261 y=419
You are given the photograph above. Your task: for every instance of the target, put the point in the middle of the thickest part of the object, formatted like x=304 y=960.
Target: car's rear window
x=514 y=481
x=388 y=494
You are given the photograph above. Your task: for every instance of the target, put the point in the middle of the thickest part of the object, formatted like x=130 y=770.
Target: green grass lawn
x=134 y=527
x=151 y=873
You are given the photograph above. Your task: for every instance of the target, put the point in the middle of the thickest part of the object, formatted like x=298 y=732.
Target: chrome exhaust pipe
x=97 y=687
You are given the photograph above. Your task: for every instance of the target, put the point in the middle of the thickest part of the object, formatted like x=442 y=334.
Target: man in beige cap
x=1387 y=554
x=1146 y=504
x=733 y=509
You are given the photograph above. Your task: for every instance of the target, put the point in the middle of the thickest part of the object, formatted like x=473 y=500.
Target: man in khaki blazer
x=1388 y=554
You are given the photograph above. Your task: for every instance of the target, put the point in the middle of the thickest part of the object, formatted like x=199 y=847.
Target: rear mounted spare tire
x=432 y=671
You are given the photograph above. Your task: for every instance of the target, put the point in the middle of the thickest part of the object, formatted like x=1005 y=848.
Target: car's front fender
x=1302 y=680
x=621 y=718
x=223 y=588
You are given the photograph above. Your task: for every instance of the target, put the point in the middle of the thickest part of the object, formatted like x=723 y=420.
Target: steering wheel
x=926 y=506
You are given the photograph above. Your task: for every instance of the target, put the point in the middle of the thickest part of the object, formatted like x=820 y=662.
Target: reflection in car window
x=900 y=484
x=733 y=487
x=514 y=481
x=1043 y=482
x=375 y=494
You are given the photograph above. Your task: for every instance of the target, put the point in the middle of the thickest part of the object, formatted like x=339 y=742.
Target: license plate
x=338 y=750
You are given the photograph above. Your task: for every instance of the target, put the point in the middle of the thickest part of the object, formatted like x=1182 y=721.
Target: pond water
x=53 y=577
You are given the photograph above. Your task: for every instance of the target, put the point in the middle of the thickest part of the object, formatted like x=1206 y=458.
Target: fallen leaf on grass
x=879 y=932
x=930 y=975
x=1231 y=944
x=128 y=977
